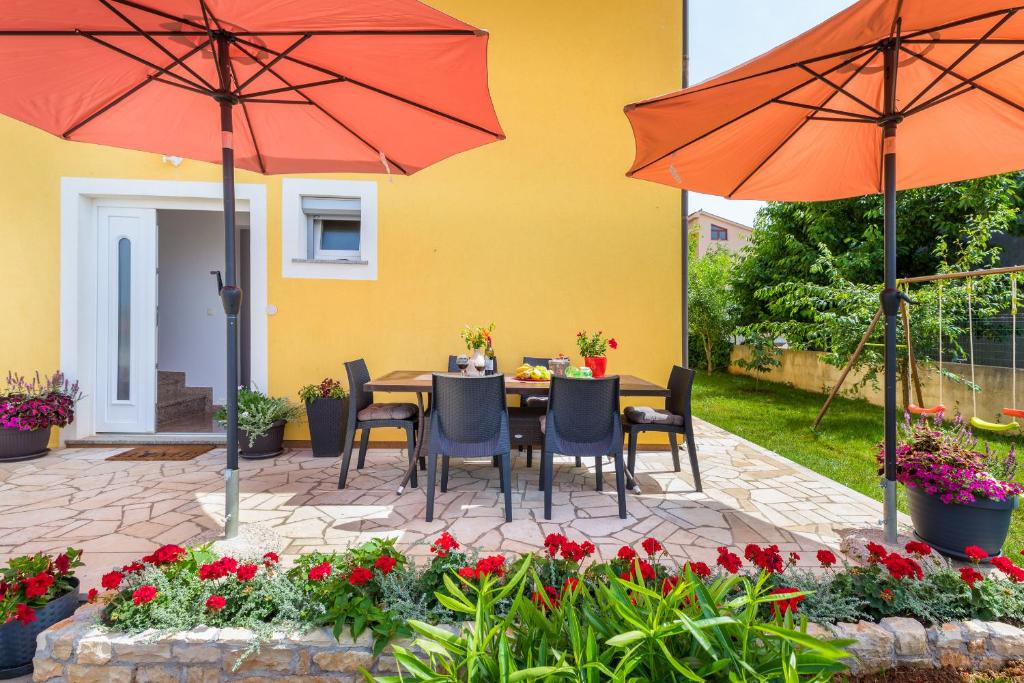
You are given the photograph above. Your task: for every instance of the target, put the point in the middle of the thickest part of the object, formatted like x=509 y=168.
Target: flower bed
x=639 y=611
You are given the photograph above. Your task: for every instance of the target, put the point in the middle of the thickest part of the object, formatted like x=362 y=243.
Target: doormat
x=162 y=453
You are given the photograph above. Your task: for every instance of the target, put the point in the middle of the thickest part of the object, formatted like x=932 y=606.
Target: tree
x=712 y=308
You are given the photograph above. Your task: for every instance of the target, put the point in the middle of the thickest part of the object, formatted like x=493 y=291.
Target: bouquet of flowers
x=477 y=336
x=594 y=345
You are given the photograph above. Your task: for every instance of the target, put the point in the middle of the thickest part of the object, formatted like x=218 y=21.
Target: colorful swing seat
x=934 y=410
x=978 y=423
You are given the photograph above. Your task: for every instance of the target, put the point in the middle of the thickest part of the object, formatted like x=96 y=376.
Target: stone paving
x=117 y=511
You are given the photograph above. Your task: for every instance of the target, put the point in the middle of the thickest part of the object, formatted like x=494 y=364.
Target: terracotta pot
x=19 y=445
x=597 y=364
x=949 y=528
x=18 y=641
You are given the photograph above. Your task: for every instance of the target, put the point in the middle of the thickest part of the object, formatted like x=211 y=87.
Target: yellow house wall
x=541 y=233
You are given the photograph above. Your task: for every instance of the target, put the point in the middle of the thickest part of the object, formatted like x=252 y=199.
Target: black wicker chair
x=364 y=414
x=469 y=419
x=675 y=419
x=583 y=420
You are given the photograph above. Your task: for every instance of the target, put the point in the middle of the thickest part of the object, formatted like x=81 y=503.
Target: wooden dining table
x=420 y=382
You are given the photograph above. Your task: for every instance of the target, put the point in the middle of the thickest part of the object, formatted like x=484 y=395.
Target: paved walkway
x=117 y=511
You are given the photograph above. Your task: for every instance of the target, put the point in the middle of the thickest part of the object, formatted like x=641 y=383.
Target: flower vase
x=597 y=364
x=476 y=363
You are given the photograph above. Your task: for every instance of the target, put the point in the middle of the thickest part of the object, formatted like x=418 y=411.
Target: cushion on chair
x=648 y=415
x=543 y=424
x=535 y=401
x=387 y=411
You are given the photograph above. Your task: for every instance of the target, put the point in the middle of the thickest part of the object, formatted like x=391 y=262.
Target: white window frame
x=299 y=231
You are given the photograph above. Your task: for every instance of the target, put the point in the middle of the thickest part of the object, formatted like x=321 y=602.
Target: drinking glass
x=462 y=362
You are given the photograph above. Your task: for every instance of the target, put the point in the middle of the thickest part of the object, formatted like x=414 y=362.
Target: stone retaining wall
x=76 y=651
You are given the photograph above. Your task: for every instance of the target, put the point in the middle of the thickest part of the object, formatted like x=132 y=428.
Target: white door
x=126 y=321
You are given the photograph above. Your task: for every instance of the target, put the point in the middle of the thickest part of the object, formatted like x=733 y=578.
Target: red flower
x=246 y=572
x=794 y=558
x=112 y=580
x=133 y=567
x=626 y=553
x=467 y=572
x=699 y=569
x=271 y=558
x=646 y=571
x=216 y=603
x=876 y=552
x=92 y=594
x=229 y=564
x=668 y=584
x=768 y=559
x=360 y=576
x=62 y=564
x=444 y=544
x=780 y=607
x=919 y=548
x=167 y=554
x=320 y=571
x=495 y=564
x=886 y=595
x=553 y=542
x=826 y=557
x=975 y=554
x=385 y=563
x=36 y=586
x=588 y=548
x=729 y=561
x=612 y=344
x=970 y=576
x=143 y=594
x=1006 y=566
x=23 y=613
x=218 y=569
x=902 y=567
x=571 y=583
x=550 y=592
x=651 y=546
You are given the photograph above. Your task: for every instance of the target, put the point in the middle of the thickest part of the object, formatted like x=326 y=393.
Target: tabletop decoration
x=593 y=348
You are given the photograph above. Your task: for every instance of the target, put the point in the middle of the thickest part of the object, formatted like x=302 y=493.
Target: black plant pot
x=951 y=528
x=18 y=641
x=327 y=418
x=266 y=446
x=17 y=445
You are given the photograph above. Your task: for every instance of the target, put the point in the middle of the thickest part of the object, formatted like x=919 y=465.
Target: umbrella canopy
x=819 y=118
x=276 y=86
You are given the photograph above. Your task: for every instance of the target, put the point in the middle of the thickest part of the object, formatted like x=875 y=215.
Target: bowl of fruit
x=533 y=373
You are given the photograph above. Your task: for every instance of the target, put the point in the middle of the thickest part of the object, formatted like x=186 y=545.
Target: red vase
x=597 y=365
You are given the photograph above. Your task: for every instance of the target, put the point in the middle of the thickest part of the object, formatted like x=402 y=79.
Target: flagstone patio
x=118 y=510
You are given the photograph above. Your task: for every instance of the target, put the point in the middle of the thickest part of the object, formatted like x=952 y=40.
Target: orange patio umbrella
x=940 y=83
x=275 y=86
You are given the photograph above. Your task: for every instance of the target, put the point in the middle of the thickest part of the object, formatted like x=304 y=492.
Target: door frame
x=80 y=199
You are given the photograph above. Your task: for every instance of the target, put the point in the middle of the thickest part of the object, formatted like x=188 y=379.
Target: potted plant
x=326 y=411
x=36 y=592
x=593 y=348
x=477 y=338
x=29 y=409
x=958 y=495
x=261 y=421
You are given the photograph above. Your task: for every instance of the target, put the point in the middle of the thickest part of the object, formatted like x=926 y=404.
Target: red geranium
x=133 y=567
x=218 y=569
x=975 y=554
x=612 y=344
x=215 y=603
x=495 y=564
x=780 y=607
x=699 y=569
x=729 y=561
x=651 y=546
x=62 y=564
x=111 y=580
x=886 y=595
x=143 y=594
x=826 y=557
x=1006 y=566
x=467 y=572
x=166 y=554
x=768 y=559
x=626 y=553
x=36 y=586
x=444 y=544
x=571 y=583
x=646 y=571
x=246 y=572
x=360 y=576
x=876 y=552
x=550 y=592
x=92 y=595
x=553 y=542
x=970 y=576
x=668 y=584
x=320 y=571
x=902 y=567
x=385 y=563
x=23 y=613
x=271 y=558
x=919 y=548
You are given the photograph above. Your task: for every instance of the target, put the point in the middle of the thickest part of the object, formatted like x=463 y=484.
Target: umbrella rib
x=296 y=88
x=736 y=118
x=973 y=80
x=958 y=22
x=248 y=121
x=379 y=91
x=841 y=89
x=126 y=94
x=830 y=110
x=384 y=157
x=123 y=17
x=190 y=88
x=995 y=27
x=800 y=126
x=140 y=60
x=241 y=86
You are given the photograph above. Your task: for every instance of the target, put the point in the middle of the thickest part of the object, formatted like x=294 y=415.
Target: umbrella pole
x=890 y=295
x=231 y=294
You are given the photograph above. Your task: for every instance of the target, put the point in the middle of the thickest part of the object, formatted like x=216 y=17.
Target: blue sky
x=726 y=33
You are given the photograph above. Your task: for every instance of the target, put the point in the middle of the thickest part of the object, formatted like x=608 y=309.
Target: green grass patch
x=778 y=417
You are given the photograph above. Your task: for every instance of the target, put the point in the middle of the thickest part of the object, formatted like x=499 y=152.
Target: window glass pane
x=124 y=318
x=719 y=233
x=339 y=235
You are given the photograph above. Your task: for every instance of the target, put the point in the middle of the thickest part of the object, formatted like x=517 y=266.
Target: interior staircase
x=178 y=403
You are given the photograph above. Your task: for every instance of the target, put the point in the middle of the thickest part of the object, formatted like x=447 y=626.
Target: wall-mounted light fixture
x=173 y=161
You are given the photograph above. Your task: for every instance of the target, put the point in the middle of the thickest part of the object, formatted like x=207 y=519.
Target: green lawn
x=779 y=417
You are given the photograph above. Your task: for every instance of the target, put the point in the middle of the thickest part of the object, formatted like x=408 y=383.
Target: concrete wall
x=803 y=370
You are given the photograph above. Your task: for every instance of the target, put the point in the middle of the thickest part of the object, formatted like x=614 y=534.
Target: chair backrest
x=680 y=391
x=583 y=415
x=469 y=414
x=358 y=375
x=453 y=365
x=536 y=360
